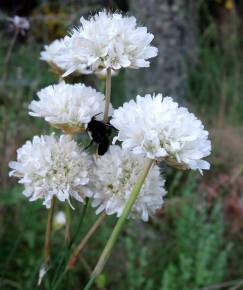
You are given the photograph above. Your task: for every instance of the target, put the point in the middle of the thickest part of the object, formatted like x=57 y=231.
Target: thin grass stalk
x=74 y=257
x=120 y=223
x=85 y=264
x=84 y=211
x=58 y=277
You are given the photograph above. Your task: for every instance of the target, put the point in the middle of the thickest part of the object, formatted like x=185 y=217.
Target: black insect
x=99 y=133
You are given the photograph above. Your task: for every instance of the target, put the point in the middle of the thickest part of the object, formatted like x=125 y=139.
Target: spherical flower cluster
x=53 y=167
x=157 y=128
x=107 y=41
x=53 y=52
x=115 y=174
x=20 y=23
x=68 y=106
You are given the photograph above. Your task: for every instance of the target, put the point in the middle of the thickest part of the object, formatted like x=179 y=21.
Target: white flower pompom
x=108 y=41
x=21 y=24
x=68 y=106
x=115 y=175
x=53 y=167
x=53 y=51
x=157 y=128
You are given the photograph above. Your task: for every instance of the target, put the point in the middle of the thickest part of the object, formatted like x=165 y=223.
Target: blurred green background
x=196 y=241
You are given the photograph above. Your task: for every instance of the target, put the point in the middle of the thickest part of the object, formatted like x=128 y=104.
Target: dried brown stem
x=47 y=247
x=74 y=257
x=107 y=94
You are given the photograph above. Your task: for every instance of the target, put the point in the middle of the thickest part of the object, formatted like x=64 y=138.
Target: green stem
x=119 y=225
x=107 y=94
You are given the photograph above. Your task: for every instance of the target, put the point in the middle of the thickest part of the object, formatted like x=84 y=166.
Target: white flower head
x=158 y=128
x=68 y=106
x=20 y=23
x=115 y=175
x=51 y=167
x=108 y=41
x=51 y=51
x=56 y=50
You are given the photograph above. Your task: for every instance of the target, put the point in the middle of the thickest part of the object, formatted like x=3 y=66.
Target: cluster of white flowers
x=152 y=127
x=53 y=167
x=115 y=174
x=107 y=41
x=68 y=106
x=159 y=129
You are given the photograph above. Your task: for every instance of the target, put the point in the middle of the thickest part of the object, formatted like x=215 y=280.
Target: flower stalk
x=68 y=224
x=119 y=225
x=8 y=55
x=107 y=94
x=47 y=247
x=74 y=257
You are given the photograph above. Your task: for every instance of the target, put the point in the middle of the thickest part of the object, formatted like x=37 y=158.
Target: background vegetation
x=195 y=241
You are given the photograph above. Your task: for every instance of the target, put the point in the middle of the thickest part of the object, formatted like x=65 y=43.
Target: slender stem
x=74 y=257
x=119 y=225
x=68 y=224
x=237 y=286
x=90 y=283
x=222 y=285
x=85 y=264
x=5 y=113
x=236 y=174
x=60 y=278
x=8 y=55
x=47 y=248
x=107 y=94
x=83 y=214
